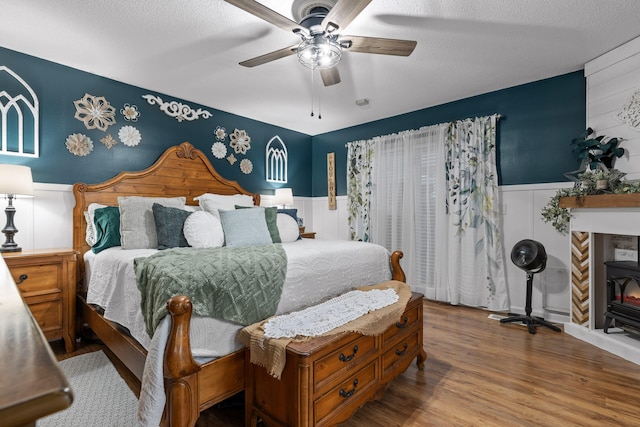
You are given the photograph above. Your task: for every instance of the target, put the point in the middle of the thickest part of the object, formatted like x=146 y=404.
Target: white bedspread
x=316 y=270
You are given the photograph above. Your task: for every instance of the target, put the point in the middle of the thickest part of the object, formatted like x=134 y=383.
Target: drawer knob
x=403 y=351
x=344 y=358
x=347 y=394
x=403 y=324
x=22 y=278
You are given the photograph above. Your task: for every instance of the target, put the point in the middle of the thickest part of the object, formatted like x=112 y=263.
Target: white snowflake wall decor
x=221 y=133
x=630 y=111
x=177 y=110
x=129 y=136
x=130 y=113
x=246 y=166
x=108 y=141
x=95 y=112
x=240 y=141
x=219 y=150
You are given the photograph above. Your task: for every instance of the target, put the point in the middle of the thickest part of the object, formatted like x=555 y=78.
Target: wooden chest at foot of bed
x=325 y=380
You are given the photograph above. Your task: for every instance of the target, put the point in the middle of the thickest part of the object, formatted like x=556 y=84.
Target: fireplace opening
x=623 y=296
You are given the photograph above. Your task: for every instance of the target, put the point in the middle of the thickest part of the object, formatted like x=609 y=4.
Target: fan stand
x=528 y=319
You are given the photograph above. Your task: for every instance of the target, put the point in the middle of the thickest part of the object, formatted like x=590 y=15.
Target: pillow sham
x=288 y=228
x=212 y=202
x=203 y=230
x=169 y=225
x=293 y=213
x=272 y=223
x=245 y=227
x=107 y=226
x=90 y=231
x=137 y=226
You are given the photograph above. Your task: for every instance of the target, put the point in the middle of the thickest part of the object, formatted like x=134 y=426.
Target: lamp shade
x=284 y=196
x=16 y=180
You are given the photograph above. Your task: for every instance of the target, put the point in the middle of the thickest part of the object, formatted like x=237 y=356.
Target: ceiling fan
x=322 y=45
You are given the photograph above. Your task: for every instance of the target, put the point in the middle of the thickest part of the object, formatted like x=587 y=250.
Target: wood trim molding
x=601 y=201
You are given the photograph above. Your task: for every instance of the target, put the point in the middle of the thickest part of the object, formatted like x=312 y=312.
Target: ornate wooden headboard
x=182 y=170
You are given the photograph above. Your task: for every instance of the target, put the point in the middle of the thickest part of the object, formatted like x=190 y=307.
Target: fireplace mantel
x=601 y=201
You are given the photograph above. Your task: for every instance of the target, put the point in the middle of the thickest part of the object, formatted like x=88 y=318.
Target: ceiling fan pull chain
x=320 y=106
x=312 y=90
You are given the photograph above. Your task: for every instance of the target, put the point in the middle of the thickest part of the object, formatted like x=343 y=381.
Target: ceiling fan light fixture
x=319 y=53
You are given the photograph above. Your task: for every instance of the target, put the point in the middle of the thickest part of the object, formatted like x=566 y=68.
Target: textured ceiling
x=190 y=49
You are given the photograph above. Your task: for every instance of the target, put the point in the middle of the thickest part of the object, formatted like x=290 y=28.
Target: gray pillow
x=245 y=227
x=169 y=225
x=137 y=225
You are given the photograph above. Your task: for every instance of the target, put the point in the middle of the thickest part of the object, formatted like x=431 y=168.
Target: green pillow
x=107 y=223
x=271 y=216
x=169 y=226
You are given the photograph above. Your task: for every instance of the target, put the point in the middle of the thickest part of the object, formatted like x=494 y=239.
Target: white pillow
x=212 y=202
x=203 y=230
x=137 y=225
x=89 y=215
x=288 y=228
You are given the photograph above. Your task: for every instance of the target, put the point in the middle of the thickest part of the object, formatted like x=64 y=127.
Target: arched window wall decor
x=276 y=161
x=19 y=116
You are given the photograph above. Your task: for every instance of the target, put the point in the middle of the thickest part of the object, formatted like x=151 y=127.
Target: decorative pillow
x=169 y=225
x=137 y=226
x=293 y=213
x=212 y=202
x=245 y=227
x=90 y=232
x=107 y=225
x=203 y=230
x=272 y=223
x=288 y=228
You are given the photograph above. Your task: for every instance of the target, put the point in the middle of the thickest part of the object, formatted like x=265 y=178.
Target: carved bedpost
x=397 y=272
x=181 y=383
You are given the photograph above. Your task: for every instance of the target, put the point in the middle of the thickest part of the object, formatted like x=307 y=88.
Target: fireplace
x=623 y=296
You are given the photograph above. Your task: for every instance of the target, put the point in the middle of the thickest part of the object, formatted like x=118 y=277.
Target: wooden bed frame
x=190 y=387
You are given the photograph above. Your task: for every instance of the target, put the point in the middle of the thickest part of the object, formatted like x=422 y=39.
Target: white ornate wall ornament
x=177 y=109
x=108 y=141
x=246 y=166
x=130 y=136
x=630 y=111
x=130 y=113
x=95 y=112
x=277 y=160
x=79 y=144
x=20 y=111
x=219 y=150
x=221 y=133
x=240 y=141
x=232 y=159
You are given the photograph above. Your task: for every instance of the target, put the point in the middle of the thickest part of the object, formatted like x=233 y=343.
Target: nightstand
x=46 y=279
x=308 y=234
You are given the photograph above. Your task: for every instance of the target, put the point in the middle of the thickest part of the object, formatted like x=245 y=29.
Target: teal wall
x=538 y=121
x=58 y=86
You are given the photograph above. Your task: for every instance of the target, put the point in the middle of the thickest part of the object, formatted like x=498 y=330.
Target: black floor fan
x=531 y=257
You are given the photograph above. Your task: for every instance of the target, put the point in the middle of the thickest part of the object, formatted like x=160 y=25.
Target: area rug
x=100 y=396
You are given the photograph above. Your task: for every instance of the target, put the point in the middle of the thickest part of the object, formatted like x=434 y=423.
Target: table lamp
x=14 y=180
x=284 y=197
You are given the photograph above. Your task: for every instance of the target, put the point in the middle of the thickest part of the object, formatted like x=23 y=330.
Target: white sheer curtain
x=408 y=202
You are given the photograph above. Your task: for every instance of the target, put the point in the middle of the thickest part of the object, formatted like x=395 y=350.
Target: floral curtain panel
x=359 y=156
x=475 y=268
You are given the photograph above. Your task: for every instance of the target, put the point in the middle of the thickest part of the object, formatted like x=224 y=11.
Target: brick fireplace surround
x=594 y=220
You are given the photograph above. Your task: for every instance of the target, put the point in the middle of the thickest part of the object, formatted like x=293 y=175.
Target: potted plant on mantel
x=598 y=156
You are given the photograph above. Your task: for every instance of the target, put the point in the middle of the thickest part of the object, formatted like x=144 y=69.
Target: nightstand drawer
x=33 y=279
x=48 y=314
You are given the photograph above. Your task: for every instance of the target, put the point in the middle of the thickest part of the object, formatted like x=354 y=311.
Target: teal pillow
x=107 y=223
x=169 y=226
x=271 y=216
x=245 y=227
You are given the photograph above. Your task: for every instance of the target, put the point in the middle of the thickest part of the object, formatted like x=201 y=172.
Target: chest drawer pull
x=403 y=351
x=344 y=358
x=403 y=324
x=22 y=278
x=348 y=394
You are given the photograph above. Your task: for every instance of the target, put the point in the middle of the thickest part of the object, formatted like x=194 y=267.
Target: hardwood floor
x=483 y=373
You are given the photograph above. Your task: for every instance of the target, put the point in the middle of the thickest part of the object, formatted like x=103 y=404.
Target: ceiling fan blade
x=269 y=15
x=330 y=76
x=271 y=56
x=343 y=13
x=379 y=45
